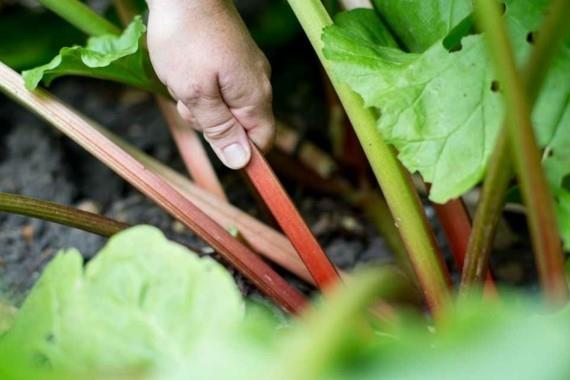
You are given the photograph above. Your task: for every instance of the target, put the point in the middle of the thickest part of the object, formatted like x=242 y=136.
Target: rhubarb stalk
x=395 y=182
x=526 y=154
x=268 y=186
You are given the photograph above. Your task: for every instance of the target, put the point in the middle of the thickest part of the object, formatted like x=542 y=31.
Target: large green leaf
x=143 y=305
x=441 y=109
x=116 y=58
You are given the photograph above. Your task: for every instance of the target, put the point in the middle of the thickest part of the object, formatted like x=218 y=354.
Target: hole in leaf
x=452 y=42
x=531 y=38
x=566 y=182
x=456 y=48
x=495 y=87
x=503 y=8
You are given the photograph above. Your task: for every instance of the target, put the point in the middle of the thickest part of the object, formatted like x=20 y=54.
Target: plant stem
x=375 y=208
x=393 y=179
x=191 y=150
x=269 y=188
x=527 y=159
x=81 y=16
x=456 y=225
x=54 y=212
x=271 y=244
x=488 y=214
x=127 y=10
x=154 y=187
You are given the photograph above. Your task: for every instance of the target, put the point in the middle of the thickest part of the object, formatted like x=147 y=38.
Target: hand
x=203 y=53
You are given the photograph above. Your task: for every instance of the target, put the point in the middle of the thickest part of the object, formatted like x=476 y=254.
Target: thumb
x=221 y=130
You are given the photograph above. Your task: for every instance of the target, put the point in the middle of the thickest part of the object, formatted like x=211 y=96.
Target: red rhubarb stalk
x=191 y=149
x=268 y=186
x=262 y=238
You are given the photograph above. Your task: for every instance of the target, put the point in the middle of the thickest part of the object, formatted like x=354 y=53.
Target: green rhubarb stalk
x=553 y=31
x=81 y=16
x=393 y=179
x=488 y=214
x=526 y=154
x=53 y=212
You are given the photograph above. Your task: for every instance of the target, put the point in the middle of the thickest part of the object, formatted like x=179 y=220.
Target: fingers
x=254 y=111
x=207 y=111
x=230 y=110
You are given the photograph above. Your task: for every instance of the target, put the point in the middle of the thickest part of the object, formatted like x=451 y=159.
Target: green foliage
x=491 y=341
x=142 y=305
x=275 y=26
x=116 y=58
x=146 y=308
x=28 y=48
x=442 y=109
x=420 y=24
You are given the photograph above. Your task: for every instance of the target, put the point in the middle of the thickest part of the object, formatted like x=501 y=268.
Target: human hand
x=203 y=53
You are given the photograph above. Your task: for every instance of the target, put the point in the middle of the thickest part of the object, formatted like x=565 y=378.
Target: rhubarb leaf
x=109 y=57
x=144 y=305
x=419 y=24
x=557 y=164
x=442 y=110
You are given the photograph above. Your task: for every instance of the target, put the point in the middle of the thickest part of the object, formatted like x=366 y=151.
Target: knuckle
x=220 y=131
x=262 y=63
x=192 y=94
x=266 y=67
x=266 y=90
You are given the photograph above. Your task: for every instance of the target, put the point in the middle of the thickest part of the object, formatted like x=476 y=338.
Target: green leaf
x=109 y=57
x=557 y=164
x=440 y=109
x=29 y=48
x=144 y=305
x=419 y=24
x=476 y=341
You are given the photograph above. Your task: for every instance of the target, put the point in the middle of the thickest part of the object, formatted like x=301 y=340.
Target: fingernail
x=235 y=156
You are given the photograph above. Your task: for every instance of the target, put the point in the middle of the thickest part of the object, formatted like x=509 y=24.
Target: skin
x=203 y=53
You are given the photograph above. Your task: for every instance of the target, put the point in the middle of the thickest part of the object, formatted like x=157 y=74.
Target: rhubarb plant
x=439 y=101
x=121 y=58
